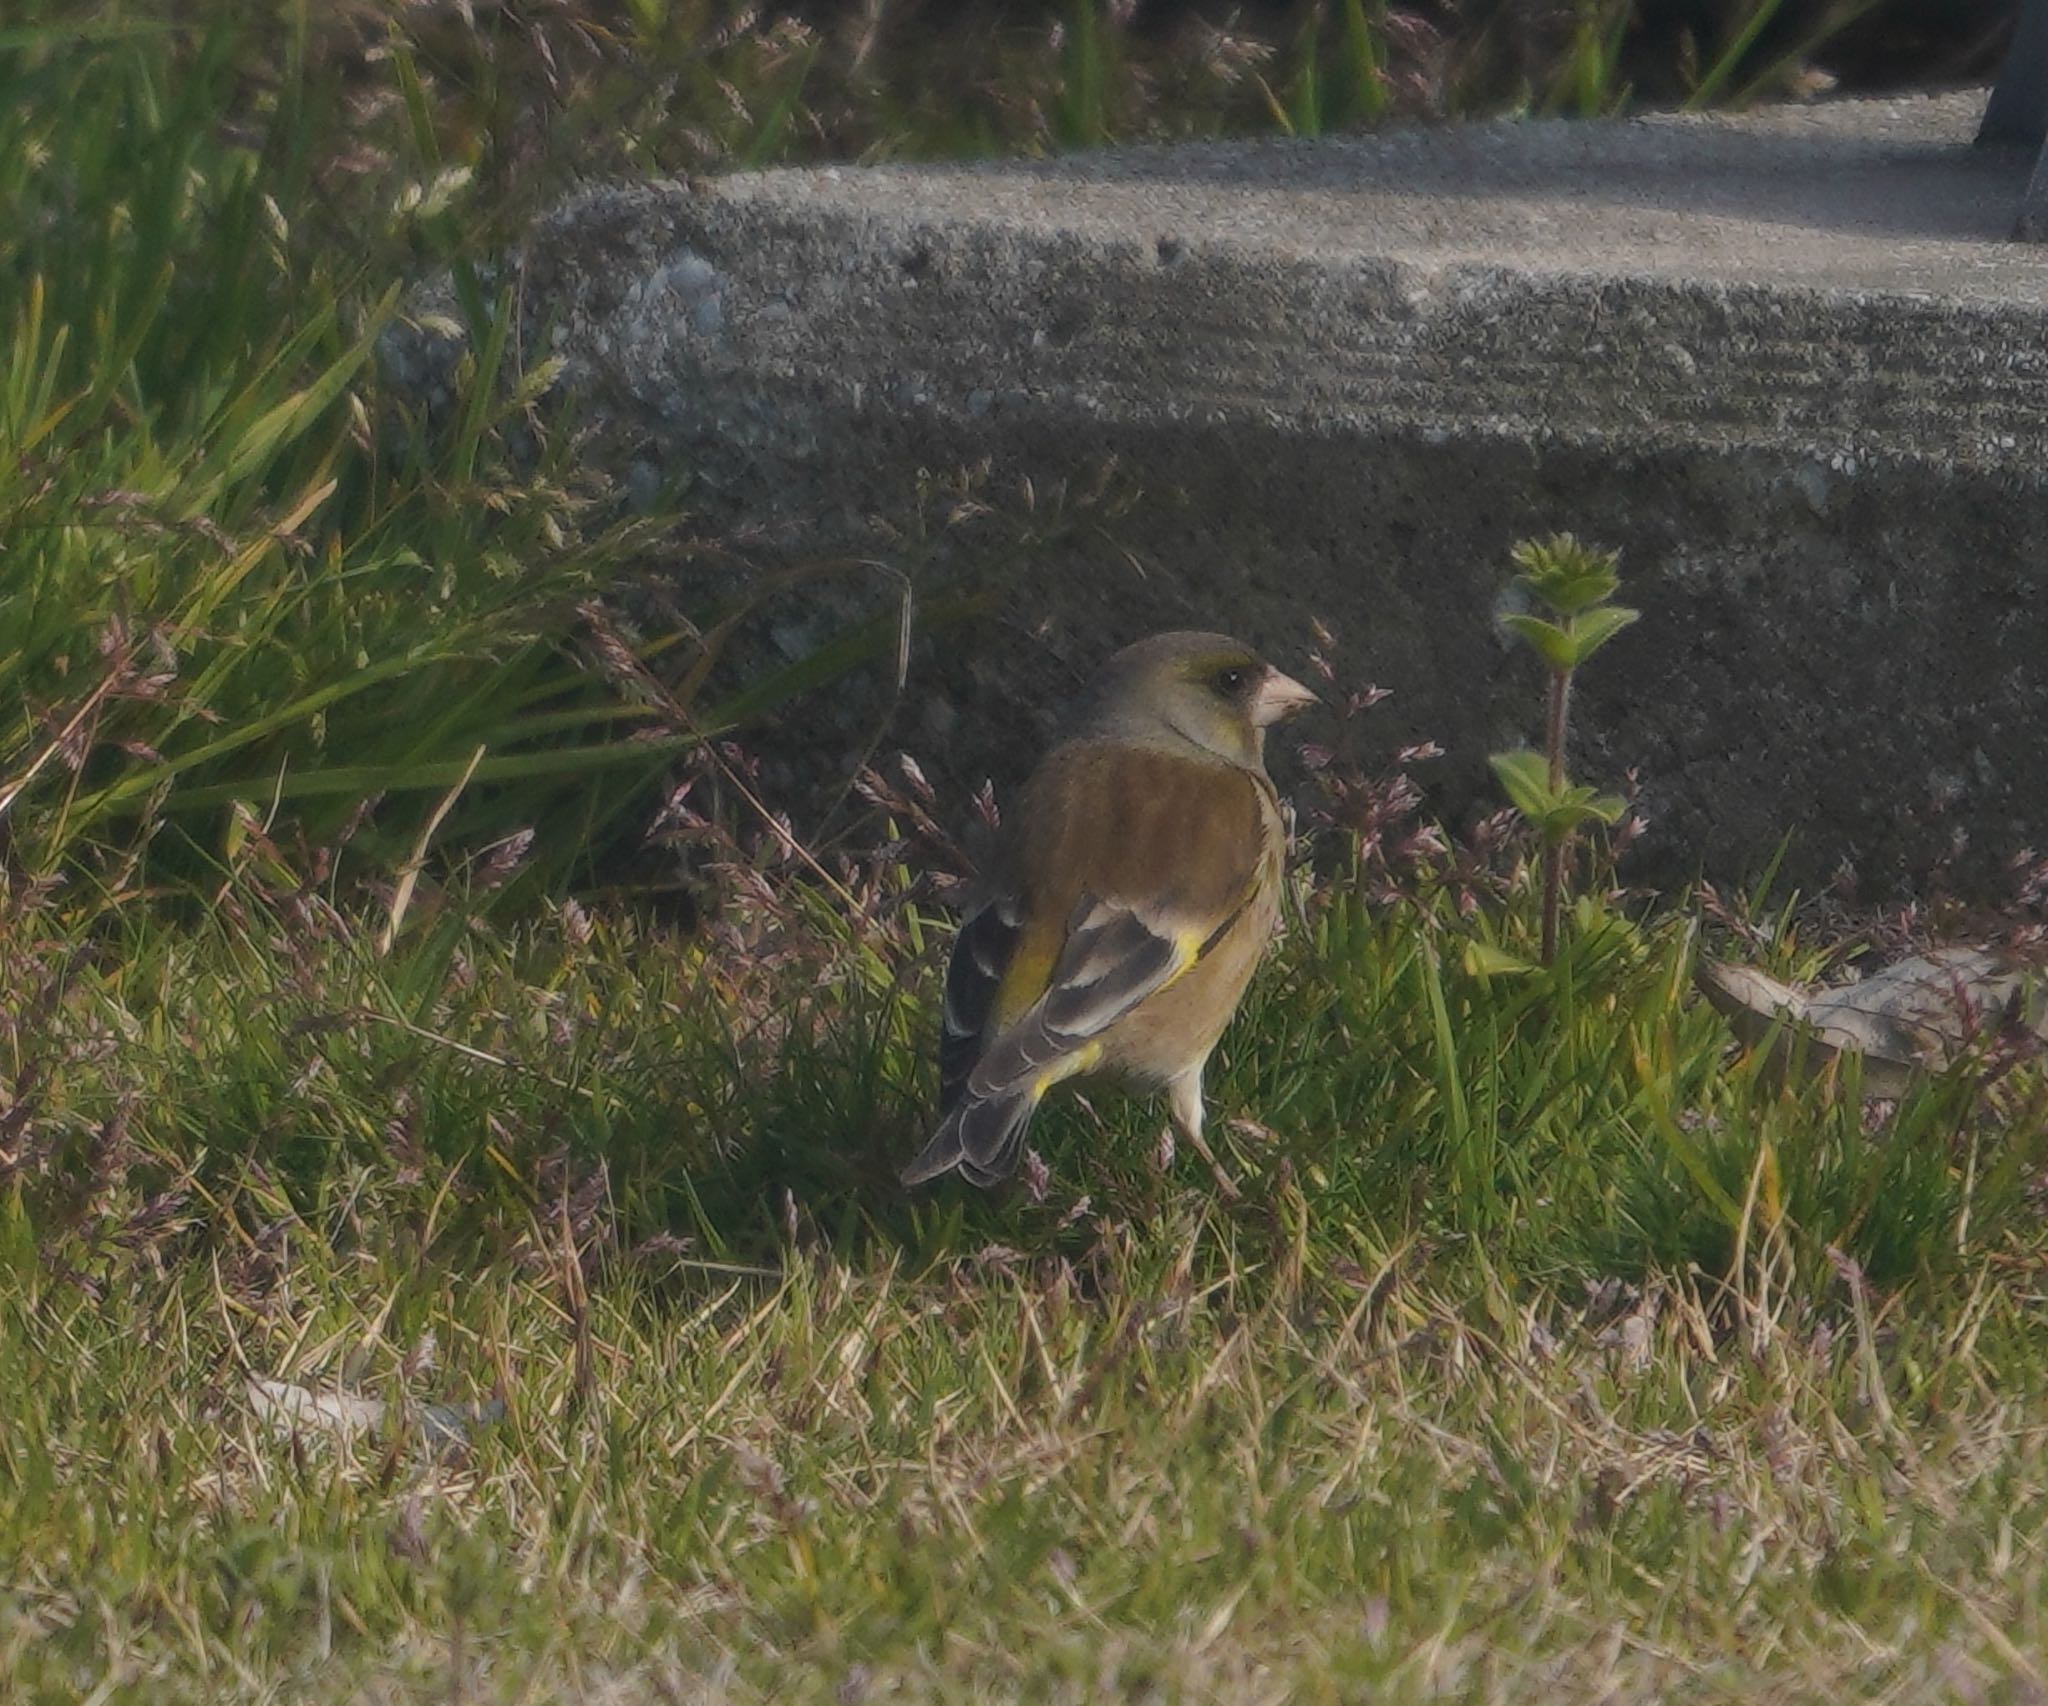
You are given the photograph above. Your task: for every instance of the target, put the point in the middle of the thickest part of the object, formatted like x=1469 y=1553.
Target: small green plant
x=1735 y=54
x=1591 y=81
x=1575 y=584
x=1339 y=78
x=1083 y=114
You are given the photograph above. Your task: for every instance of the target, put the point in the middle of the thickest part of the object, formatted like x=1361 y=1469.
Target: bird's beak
x=1278 y=698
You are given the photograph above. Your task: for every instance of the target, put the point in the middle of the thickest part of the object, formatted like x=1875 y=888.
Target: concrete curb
x=1788 y=364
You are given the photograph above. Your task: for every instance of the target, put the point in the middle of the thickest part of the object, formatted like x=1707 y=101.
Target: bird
x=1135 y=889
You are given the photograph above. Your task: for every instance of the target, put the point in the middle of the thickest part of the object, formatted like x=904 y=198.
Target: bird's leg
x=1185 y=1103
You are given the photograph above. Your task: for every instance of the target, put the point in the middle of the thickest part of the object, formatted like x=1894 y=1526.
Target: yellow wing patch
x=1188 y=947
x=1070 y=1065
x=1025 y=979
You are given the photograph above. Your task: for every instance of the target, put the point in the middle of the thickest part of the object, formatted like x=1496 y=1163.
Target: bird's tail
x=983 y=1136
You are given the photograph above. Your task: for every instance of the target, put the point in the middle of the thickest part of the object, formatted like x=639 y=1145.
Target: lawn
x=449 y=1243
x=1544 y=1353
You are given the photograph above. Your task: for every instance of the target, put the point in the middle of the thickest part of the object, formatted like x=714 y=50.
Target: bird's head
x=1205 y=688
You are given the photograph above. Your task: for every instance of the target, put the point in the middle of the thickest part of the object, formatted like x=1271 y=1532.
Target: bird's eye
x=1230 y=682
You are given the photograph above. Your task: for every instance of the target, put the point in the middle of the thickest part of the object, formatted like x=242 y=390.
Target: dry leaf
x=1910 y=1018
x=295 y=1409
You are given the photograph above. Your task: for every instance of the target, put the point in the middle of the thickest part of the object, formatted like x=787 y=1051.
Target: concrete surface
x=1789 y=364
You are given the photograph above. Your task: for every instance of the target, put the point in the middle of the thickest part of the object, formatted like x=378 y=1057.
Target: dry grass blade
x=67 y=738
x=409 y=872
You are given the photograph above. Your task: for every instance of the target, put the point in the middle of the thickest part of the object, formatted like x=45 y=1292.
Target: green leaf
x=1567 y=576
x=1688 y=1154
x=358 y=781
x=1573 y=807
x=1592 y=629
x=1450 y=1070
x=1484 y=959
x=1556 y=812
x=1525 y=777
x=1556 y=646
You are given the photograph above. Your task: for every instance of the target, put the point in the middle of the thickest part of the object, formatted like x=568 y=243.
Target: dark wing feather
x=989 y=1136
x=981 y=955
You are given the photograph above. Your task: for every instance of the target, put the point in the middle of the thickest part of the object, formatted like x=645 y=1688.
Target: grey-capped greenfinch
x=1136 y=888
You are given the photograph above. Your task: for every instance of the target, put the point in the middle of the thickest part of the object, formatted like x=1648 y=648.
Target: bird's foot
x=1226 y=1186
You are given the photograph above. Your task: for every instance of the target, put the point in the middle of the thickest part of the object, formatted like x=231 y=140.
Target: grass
x=830 y=1481
x=1546 y=1353
x=221 y=588
x=1550 y=1349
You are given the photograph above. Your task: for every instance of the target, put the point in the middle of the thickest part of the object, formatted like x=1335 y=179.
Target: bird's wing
x=981 y=955
x=1130 y=865
x=1115 y=954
